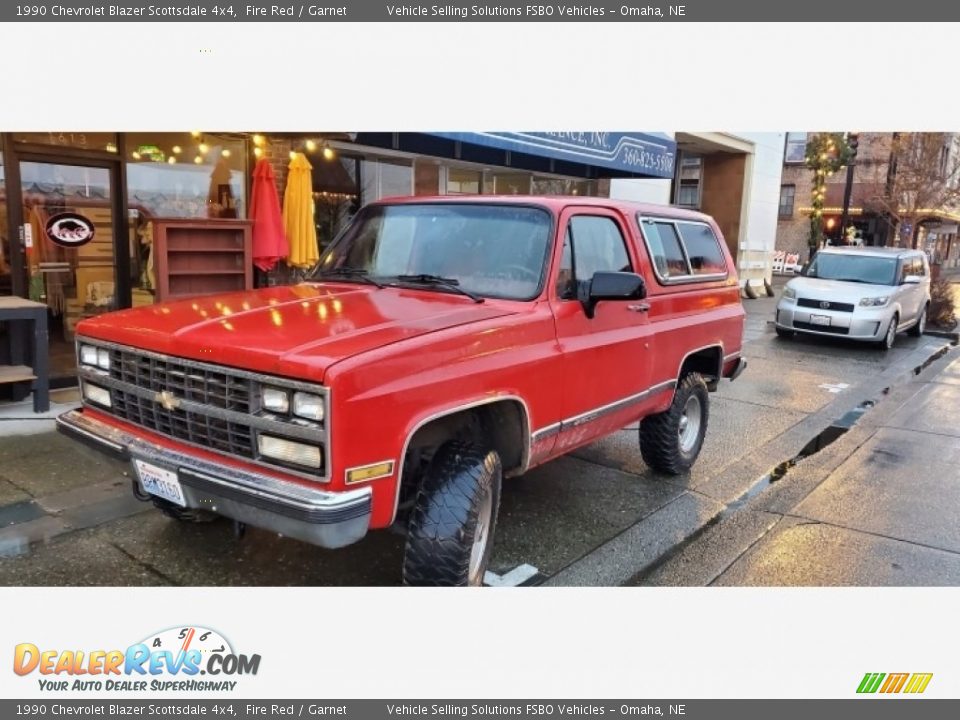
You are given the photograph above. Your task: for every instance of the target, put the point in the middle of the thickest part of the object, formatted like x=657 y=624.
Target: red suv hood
x=297 y=331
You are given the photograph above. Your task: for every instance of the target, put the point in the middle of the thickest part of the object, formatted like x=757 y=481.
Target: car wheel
x=182 y=514
x=921 y=325
x=783 y=333
x=891 y=335
x=451 y=526
x=670 y=441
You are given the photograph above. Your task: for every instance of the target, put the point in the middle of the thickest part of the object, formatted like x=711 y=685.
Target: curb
x=952 y=335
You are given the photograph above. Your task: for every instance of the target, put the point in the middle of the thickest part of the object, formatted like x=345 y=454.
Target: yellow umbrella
x=298 y=214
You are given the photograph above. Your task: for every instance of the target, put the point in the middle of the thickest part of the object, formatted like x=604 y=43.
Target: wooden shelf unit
x=198 y=257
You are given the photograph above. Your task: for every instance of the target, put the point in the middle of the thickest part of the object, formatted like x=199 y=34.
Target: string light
x=292 y=154
x=197 y=160
x=177 y=149
x=225 y=153
x=135 y=155
x=258 y=140
x=171 y=160
x=203 y=148
x=311 y=145
x=258 y=152
x=328 y=153
x=195 y=133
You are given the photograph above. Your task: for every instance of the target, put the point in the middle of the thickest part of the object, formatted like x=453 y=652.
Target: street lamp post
x=853 y=140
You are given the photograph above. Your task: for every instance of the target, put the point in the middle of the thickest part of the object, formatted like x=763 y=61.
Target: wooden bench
x=16 y=309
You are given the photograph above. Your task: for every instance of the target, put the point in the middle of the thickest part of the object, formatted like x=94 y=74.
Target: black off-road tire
x=460 y=482
x=182 y=514
x=920 y=325
x=660 y=443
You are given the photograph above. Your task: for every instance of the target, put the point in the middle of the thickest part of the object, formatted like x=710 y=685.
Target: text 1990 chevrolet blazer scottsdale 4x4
x=444 y=344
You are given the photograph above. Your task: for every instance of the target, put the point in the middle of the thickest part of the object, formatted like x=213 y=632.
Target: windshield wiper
x=856 y=280
x=444 y=282
x=352 y=273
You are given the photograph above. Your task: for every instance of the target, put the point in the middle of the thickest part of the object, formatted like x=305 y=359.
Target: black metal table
x=16 y=309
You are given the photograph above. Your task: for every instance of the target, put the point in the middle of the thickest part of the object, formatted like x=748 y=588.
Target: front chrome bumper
x=320 y=517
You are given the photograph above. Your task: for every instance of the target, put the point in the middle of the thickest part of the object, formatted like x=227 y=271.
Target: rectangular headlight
x=96 y=394
x=276 y=400
x=88 y=355
x=289 y=451
x=103 y=359
x=308 y=406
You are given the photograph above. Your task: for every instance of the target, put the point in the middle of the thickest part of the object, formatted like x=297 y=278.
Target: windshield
x=490 y=250
x=854 y=268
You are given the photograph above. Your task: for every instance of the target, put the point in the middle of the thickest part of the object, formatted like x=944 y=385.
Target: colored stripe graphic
x=918 y=683
x=870 y=682
x=894 y=683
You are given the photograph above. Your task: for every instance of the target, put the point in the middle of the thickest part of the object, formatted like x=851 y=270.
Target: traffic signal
x=853 y=139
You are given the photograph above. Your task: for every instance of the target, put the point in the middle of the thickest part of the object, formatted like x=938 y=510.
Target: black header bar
x=848 y=11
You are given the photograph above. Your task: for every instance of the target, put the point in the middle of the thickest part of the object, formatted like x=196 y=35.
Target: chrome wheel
x=891 y=333
x=481 y=538
x=689 y=425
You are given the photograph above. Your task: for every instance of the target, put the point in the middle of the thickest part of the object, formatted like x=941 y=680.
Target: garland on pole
x=826 y=154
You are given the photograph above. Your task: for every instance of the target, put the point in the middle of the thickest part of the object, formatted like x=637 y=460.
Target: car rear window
x=664 y=244
x=703 y=249
x=683 y=250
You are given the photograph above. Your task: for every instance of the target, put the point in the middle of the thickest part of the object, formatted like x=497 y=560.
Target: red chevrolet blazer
x=442 y=345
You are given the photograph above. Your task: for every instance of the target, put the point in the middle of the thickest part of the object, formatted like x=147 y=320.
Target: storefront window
x=384 y=178
x=511 y=183
x=102 y=141
x=335 y=195
x=5 y=275
x=563 y=186
x=461 y=182
x=188 y=175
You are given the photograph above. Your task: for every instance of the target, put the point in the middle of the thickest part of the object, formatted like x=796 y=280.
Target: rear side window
x=664 y=244
x=703 y=249
x=683 y=250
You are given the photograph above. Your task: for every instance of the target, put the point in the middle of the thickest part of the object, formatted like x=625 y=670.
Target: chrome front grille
x=197 y=428
x=212 y=386
x=210 y=406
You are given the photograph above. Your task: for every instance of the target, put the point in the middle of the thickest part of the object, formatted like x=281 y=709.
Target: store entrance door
x=70 y=238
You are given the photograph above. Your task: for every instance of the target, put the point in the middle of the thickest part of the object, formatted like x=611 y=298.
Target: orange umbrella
x=298 y=214
x=269 y=239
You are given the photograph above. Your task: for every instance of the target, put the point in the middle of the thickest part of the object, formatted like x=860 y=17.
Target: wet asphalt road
x=67 y=516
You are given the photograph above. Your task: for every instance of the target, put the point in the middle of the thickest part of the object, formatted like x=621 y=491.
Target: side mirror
x=613 y=286
x=912 y=280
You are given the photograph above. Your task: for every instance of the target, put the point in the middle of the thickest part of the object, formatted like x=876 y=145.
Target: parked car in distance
x=444 y=344
x=860 y=293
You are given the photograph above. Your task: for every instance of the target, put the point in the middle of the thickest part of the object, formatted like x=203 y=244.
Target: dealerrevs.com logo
x=177 y=659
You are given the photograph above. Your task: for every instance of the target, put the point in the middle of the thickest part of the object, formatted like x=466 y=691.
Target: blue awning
x=648 y=154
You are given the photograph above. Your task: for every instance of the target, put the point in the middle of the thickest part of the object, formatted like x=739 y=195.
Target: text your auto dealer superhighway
x=128 y=11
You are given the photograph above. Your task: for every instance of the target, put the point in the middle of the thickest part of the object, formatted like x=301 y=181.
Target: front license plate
x=819 y=319
x=160 y=482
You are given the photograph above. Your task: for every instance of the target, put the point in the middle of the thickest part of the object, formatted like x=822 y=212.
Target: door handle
x=639 y=307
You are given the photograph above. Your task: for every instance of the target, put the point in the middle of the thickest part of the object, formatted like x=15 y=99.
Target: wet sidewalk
x=878 y=507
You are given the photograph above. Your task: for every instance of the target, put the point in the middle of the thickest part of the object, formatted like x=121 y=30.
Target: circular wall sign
x=69 y=229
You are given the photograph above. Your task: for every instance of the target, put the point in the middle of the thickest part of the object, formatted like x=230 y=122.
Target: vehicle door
x=911 y=293
x=606 y=357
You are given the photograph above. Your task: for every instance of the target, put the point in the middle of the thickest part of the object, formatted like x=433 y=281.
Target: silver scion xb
x=861 y=293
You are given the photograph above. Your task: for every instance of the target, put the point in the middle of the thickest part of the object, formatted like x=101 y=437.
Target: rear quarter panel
x=690 y=316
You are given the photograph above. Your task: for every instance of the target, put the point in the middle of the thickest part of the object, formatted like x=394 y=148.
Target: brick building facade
x=869 y=177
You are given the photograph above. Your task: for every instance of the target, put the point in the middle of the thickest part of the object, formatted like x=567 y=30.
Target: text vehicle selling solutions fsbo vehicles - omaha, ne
x=441 y=346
